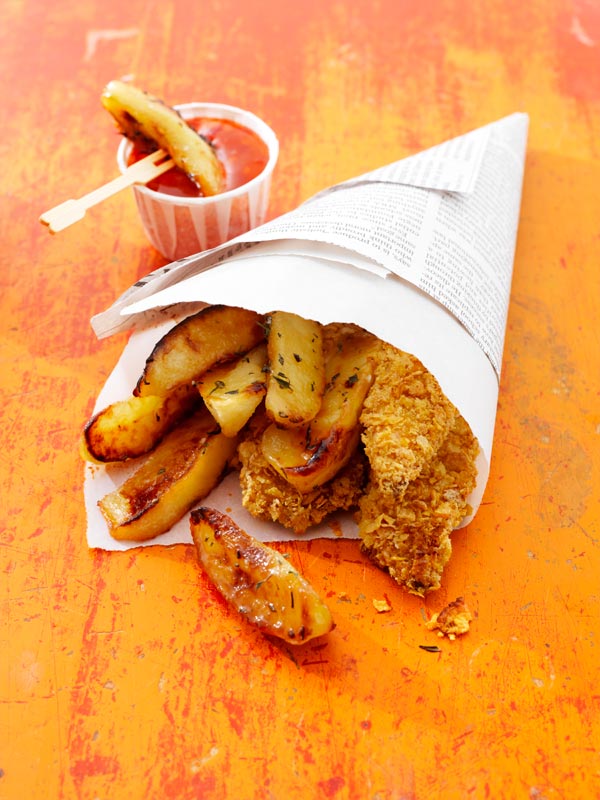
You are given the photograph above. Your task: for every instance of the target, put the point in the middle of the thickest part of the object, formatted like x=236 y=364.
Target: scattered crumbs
x=109 y=685
x=381 y=606
x=336 y=528
x=451 y=621
x=344 y=597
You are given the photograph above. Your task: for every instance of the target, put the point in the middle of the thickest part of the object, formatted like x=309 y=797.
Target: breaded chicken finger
x=405 y=419
x=410 y=536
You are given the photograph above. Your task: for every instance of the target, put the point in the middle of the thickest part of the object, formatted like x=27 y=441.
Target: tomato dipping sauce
x=241 y=152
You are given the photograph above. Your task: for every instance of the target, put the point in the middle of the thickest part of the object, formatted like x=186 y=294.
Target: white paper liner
x=339 y=268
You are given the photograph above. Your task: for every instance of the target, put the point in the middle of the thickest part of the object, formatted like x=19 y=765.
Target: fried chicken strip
x=405 y=419
x=409 y=534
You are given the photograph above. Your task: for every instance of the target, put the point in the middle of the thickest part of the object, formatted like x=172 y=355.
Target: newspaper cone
x=419 y=252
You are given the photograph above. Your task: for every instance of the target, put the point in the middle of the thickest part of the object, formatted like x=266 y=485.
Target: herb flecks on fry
x=258 y=581
x=213 y=336
x=140 y=115
x=296 y=379
x=233 y=391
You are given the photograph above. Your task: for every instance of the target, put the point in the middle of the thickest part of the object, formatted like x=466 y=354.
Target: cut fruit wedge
x=257 y=581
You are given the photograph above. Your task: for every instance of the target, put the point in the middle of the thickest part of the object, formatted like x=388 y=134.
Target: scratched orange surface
x=123 y=675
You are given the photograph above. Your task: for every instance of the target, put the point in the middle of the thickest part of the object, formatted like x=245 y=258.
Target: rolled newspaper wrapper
x=419 y=252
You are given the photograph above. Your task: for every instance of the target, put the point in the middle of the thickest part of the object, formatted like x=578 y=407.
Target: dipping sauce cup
x=179 y=225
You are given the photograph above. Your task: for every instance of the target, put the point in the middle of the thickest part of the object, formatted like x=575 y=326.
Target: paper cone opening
x=427 y=268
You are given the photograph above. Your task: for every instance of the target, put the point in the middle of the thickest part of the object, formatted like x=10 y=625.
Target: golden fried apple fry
x=183 y=469
x=140 y=115
x=196 y=344
x=257 y=581
x=132 y=427
x=233 y=391
x=296 y=369
x=309 y=457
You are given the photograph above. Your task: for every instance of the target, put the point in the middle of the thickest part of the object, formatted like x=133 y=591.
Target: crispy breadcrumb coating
x=405 y=419
x=266 y=495
x=409 y=534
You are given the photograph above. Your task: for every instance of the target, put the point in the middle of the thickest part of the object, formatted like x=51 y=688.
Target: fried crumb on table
x=451 y=621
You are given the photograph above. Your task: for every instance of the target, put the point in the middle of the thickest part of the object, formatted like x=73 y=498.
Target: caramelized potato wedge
x=257 y=580
x=131 y=428
x=183 y=469
x=196 y=344
x=232 y=392
x=309 y=457
x=140 y=115
x=297 y=370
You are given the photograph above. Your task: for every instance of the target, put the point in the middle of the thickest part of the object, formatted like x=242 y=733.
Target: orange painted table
x=122 y=674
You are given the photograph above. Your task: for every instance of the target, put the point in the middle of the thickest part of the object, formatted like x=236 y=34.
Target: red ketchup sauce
x=242 y=153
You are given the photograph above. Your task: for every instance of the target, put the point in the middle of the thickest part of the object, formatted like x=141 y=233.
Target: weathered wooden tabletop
x=123 y=675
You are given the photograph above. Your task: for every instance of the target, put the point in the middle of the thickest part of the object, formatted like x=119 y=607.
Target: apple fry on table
x=257 y=581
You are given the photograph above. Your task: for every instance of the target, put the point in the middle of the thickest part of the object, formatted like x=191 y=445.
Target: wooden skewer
x=65 y=214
